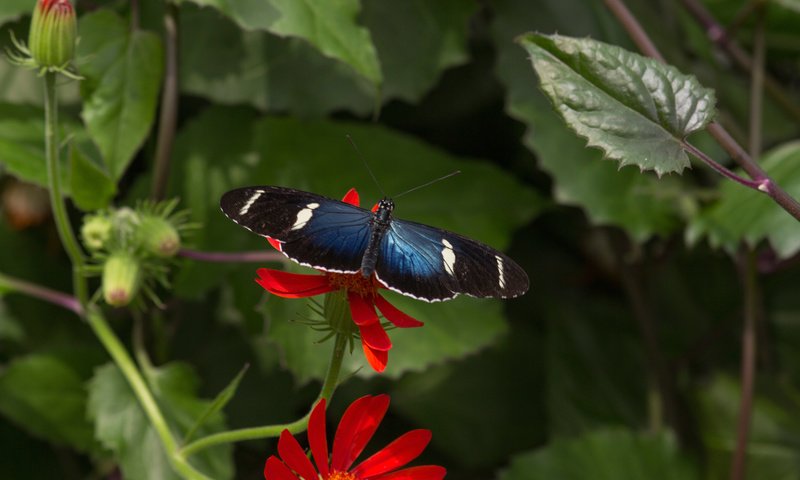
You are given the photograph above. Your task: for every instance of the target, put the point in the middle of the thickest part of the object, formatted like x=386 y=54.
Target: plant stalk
x=168 y=118
x=763 y=182
x=271 y=431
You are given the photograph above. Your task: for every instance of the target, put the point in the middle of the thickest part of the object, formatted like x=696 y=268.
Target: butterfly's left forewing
x=313 y=230
x=432 y=264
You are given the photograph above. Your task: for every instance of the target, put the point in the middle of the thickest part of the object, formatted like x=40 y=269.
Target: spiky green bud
x=53 y=33
x=122 y=277
x=96 y=231
x=159 y=236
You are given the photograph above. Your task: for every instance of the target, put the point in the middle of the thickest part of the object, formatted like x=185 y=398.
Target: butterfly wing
x=432 y=264
x=312 y=230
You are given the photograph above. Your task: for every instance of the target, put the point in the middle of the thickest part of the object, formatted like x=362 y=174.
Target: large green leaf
x=273 y=73
x=330 y=27
x=638 y=203
x=122 y=71
x=236 y=66
x=402 y=30
x=46 y=396
x=605 y=455
x=773 y=445
x=122 y=427
x=90 y=186
x=226 y=148
x=744 y=215
x=636 y=109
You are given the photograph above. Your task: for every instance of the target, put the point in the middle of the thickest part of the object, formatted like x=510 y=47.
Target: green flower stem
x=96 y=320
x=271 y=431
x=148 y=403
x=56 y=199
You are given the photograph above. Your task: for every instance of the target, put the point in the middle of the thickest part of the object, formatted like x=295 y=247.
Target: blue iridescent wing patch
x=432 y=264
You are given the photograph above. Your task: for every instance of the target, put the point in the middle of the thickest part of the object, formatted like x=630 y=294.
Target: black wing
x=313 y=230
x=432 y=264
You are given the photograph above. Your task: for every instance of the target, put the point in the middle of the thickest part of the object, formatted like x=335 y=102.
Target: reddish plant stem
x=763 y=182
x=748 y=363
x=748 y=267
x=720 y=37
x=168 y=118
x=232 y=257
x=43 y=293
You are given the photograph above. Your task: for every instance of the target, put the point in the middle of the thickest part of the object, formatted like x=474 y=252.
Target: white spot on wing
x=250 y=202
x=449 y=257
x=304 y=215
x=501 y=279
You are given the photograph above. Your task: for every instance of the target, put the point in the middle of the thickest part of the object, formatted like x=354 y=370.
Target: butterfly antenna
x=451 y=174
x=364 y=159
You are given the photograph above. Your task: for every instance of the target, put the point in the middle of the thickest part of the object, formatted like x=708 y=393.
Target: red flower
x=362 y=296
x=358 y=424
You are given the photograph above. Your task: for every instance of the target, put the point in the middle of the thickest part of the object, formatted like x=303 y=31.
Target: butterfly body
x=411 y=258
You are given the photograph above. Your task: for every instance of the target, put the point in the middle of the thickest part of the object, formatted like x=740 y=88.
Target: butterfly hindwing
x=432 y=264
x=313 y=230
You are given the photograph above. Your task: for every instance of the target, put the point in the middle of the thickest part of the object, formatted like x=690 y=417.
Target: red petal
x=398 y=318
x=352 y=198
x=295 y=457
x=317 y=438
x=275 y=244
x=398 y=453
x=424 y=472
x=377 y=359
x=362 y=311
x=276 y=470
x=292 y=285
x=358 y=424
x=374 y=336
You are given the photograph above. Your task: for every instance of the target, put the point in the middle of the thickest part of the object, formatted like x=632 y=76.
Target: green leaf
x=605 y=455
x=236 y=66
x=773 y=446
x=401 y=30
x=452 y=330
x=744 y=215
x=13 y=9
x=122 y=73
x=122 y=427
x=218 y=404
x=47 y=397
x=330 y=27
x=91 y=188
x=640 y=204
x=636 y=109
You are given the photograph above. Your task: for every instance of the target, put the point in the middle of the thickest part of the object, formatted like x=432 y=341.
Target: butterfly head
x=384 y=210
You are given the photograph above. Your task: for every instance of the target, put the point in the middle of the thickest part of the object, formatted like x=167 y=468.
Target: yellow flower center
x=354 y=282
x=334 y=475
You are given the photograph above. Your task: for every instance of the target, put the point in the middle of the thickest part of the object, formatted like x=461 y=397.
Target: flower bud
x=96 y=231
x=158 y=236
x=122 y=277
x=53 y=33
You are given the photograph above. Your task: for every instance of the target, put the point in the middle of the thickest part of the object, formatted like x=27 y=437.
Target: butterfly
x=420 y=261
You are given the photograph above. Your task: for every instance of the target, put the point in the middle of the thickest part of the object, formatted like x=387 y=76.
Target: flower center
x=336 y=475
x=353 y=282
